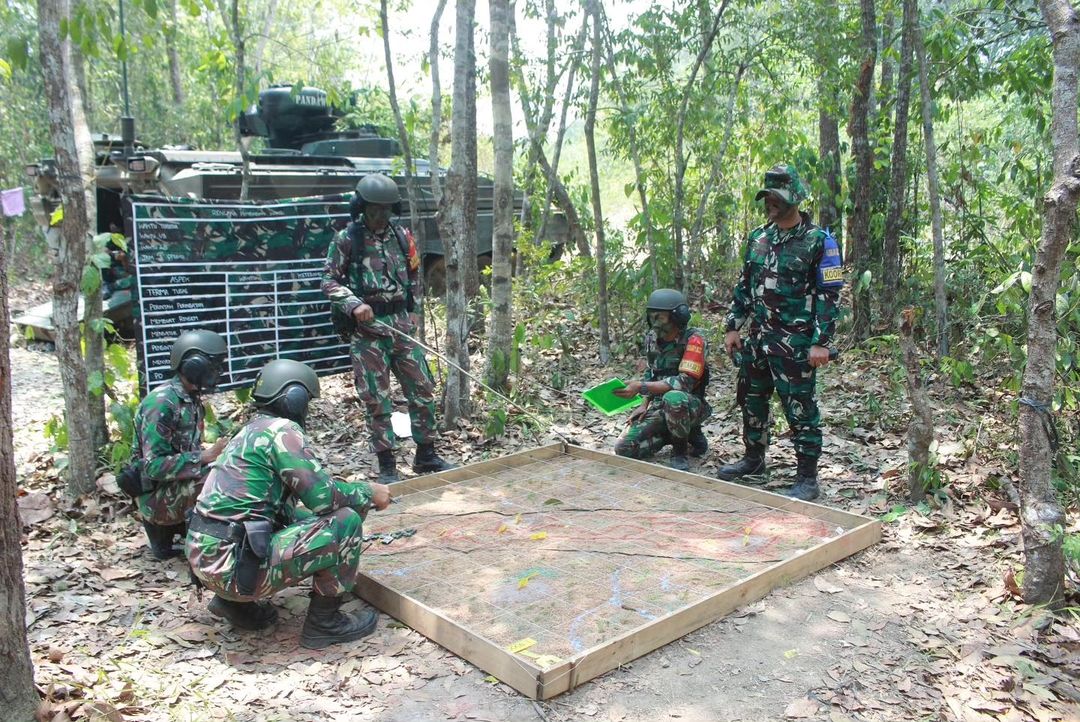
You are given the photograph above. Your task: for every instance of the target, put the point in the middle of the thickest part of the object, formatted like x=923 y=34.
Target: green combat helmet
x=783 y=182
x=672 y=301
x=197 y=356
x=377 y=188
x=285 y=388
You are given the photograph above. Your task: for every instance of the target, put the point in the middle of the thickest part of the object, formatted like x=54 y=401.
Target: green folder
x=602 y=397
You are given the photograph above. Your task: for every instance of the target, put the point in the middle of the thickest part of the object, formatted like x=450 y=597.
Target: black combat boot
x=427 y=461
x=161 y=541
x=326 y=625
x=245 y=615
x=752 y=464
x=806 y=486
x=387 y=467
x=698 y=443
x=678 y=458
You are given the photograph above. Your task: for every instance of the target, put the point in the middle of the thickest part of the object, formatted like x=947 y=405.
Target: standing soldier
x=170 y=463
x=247 y=539
x=673 y=404
x=788 y=291
x=371 y=274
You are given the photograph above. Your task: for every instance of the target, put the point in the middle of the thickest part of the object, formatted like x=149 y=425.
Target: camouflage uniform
x=265 y=469
x=681 y=364
x=168 y=442
x=385 y=278
x=789 y=291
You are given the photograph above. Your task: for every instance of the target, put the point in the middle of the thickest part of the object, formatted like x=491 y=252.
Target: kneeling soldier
x=247 y=539
x=170 y=464
x=673 y=404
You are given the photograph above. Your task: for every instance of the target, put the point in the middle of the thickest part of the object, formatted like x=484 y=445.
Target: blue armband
x=830 y=271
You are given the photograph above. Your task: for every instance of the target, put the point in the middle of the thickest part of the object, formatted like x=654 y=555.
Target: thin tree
x=436 y=104
x=470 y=270
x=1042 y=517
x=933 y=190
x=594 y=181
x=898 y=172
x=74 y=166
x=18 y=697
x=171 y=31
x=503 y=237
x=864 y=168
x=829 y=151
x=454 y=215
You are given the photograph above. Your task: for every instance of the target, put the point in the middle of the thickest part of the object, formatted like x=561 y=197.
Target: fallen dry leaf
x=801 y=708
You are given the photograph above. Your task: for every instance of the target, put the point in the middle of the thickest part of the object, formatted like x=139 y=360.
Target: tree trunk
x=503 y=241
x=829 y=149
x=864 y=169
x=436 y=103
x=231 y=18
x=454 y=216
x=17 y=693
x=175 y=81
x=470 y=269
x=885 y=85
x=1043 y=519
x=921 y=425
x=933 y=188
x=898 y=179
x=680 y=155
x=70 y=137
x=269 y=16
x=594 y=181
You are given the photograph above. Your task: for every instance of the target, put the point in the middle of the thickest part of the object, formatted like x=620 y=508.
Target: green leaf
x=95 y=382
x=91 y=280
x=893 y=514
x=101 y=260
x=1025 y=281
x=118 y=358
x=5 y=69
x=17 y=50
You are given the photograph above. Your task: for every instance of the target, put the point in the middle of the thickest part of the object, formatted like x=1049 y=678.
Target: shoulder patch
x=830 y=270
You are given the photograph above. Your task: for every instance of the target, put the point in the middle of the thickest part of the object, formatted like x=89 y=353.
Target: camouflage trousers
x=169 y=504
x=668 y=419
x=793 y=379
x=373 y=358
x=326 y=547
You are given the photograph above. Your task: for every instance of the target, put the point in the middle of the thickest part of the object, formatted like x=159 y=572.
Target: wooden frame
x=543 y=683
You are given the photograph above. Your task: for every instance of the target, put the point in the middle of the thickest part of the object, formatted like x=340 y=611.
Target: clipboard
x=604 y=400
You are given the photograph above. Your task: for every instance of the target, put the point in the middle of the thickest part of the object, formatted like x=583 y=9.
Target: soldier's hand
x=629 y=391
x=380 y=496
x=211 y=454
x=819 y=356
x=732 y=341
x=363 y=313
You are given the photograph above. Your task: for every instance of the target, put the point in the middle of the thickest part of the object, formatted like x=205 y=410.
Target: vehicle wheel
x=435 y=277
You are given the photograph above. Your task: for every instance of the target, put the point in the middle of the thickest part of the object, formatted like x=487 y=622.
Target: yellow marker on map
x=539 y=535
x=521 y=644
x=523 y=582
x=547 y=660
x=502 y=528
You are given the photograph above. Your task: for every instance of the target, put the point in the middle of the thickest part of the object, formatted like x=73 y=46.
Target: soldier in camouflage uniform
x=673 y=404
x=169 y=461
x=247 y=538
x=372 y=273
x=788 y=292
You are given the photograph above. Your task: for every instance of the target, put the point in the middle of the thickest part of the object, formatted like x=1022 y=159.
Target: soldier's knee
x=348 y=522
x=626 y=448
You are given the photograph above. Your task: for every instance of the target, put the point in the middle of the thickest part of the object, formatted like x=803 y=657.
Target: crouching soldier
x=673 y=404
x=170 y=464
x=247 y=539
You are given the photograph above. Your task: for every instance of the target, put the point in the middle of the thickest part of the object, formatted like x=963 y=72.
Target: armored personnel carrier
x=303 y=154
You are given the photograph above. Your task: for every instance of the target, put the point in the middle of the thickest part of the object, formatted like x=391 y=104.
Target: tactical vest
x=357 y=233
x=684 y=338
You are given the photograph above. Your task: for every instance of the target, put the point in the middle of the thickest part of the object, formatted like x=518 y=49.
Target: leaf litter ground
x=925 y=625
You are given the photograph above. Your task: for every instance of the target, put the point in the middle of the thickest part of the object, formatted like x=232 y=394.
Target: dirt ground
x=923 y=626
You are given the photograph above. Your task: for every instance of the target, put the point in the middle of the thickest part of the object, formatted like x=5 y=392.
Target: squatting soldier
x=170 y=464
x=673 y=404
x=247 y=539
x=372 y=273
x=788 y=291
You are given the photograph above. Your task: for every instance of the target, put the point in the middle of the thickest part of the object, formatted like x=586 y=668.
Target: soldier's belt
x=387 y=308
x=230 y=531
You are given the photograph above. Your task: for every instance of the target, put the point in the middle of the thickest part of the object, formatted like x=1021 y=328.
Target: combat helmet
x=376 y=188
x=198 y=356
x=285 y=388
x=671 y=300
x=783 y=182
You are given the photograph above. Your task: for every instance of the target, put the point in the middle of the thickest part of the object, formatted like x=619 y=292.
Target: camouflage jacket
x=168 y=433
x=388 y=271
x=789 y=289
x=681 y=362
x=265 y=469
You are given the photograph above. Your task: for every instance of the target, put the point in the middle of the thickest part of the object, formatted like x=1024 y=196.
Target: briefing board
x=249 y=271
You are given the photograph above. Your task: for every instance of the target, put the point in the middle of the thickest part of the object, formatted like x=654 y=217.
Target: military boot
x=161 y=541
x=245 y=615
x=428 y=462
x=806 y=486
x=326 y=624
x=678 y=458
x=752 y=464
x=387 y=467
x=698 y=443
